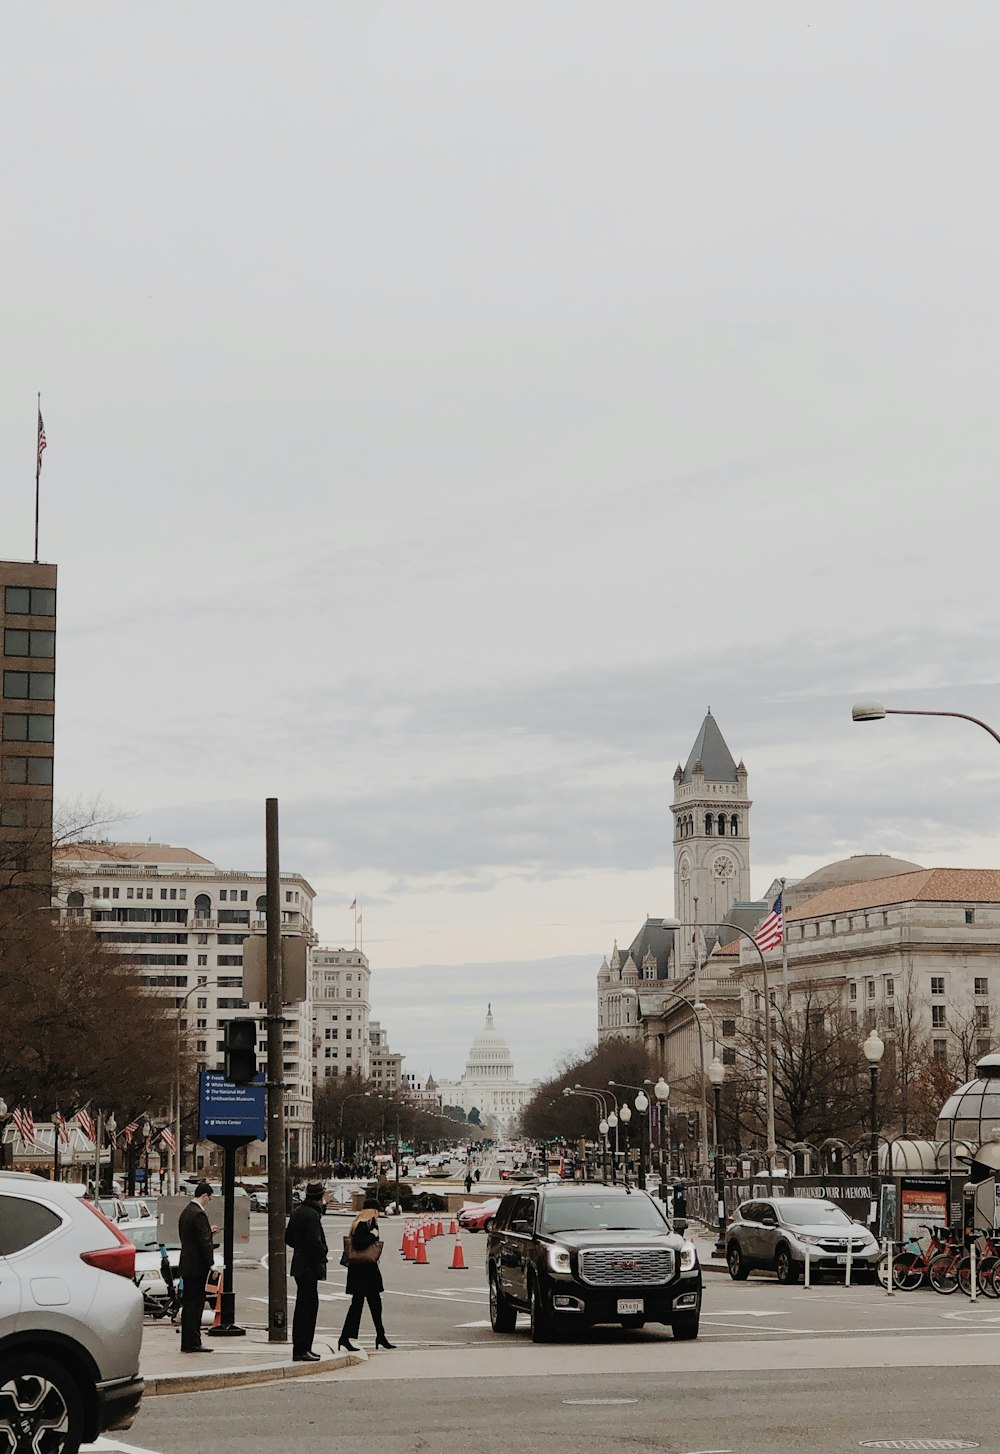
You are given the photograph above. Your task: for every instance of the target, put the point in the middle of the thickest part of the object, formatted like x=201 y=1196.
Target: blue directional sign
x=229 y=1110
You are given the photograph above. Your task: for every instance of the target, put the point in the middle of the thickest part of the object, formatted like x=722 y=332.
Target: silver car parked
x=777 y=1233
x=70 y=1320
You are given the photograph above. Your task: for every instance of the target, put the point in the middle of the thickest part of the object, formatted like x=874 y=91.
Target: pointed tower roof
x=710 y=754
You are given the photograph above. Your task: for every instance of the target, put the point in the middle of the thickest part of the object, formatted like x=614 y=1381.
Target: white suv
x=70 y=1320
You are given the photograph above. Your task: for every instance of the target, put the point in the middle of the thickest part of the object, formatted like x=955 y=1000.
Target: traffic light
x=240 y=1043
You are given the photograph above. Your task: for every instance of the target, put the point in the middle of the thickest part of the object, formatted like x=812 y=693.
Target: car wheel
x=541 y=1323
x=684 y=1328
x=41 y=1403
x=738 y=1269
x=784 y=1266
x=503 y=1317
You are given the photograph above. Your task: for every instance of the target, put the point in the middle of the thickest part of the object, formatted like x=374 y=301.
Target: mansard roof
x=656 y=942
x=711 y=754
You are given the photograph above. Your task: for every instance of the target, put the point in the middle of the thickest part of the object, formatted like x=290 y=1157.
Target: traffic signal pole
x=277 y=1278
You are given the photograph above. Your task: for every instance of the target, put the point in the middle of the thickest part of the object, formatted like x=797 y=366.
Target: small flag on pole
x=41 y=443
x=353 y=904
x=769 y=933
x=24 y=1125
x=130 y=1131
x=167 y=1137
x=85 y=1121
x=59 y=1120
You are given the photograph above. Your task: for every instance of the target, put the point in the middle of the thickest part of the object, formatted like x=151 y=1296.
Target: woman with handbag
x=362 y=1250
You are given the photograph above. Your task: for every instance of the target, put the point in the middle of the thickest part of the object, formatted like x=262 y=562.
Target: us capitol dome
x=489 y=1083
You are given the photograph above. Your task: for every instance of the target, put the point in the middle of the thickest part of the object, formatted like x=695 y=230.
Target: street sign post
x=231 y=1116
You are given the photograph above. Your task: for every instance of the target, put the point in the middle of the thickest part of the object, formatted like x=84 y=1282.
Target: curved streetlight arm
x=874 y=712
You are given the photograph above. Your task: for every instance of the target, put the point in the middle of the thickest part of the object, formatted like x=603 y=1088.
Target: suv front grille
x=612 y=1267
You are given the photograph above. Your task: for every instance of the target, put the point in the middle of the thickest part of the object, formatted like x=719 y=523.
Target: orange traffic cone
x=457 y=1263
x=406 y=1247
x=453 y=1229
x=421 y=1257
x=440 y=1228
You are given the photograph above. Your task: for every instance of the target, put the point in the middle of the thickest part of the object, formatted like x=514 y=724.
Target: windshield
x=143 y=1236
x=813 y=1214
x=589 y=1214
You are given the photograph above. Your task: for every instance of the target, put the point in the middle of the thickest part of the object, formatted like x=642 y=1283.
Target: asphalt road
x=824 y=1412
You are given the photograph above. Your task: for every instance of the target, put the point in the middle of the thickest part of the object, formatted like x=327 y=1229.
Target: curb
x=167 y=1383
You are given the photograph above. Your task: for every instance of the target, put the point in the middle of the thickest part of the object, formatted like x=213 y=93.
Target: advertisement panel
x=922 y=1201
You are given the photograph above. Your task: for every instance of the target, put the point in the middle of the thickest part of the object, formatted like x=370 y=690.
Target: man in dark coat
x=197 y=1256
x=305 y=1235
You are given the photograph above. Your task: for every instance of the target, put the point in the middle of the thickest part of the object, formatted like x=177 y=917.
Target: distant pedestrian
x=476 y=1173
x=197 y=1256
x=468 y=1182
x=363 y=1248
x=305 y=1235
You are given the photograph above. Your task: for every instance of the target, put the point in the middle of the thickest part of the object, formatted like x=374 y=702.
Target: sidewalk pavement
x=235 y=1361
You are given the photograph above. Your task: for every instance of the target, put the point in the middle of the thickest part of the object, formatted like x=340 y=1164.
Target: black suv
x=577 y=1255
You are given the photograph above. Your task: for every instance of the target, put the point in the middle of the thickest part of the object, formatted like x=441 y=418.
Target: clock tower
x=711 y=811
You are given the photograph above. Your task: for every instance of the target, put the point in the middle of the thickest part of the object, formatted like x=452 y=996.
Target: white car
x=70 y=1319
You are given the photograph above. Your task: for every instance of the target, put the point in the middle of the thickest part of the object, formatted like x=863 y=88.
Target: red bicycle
x=912 y=1266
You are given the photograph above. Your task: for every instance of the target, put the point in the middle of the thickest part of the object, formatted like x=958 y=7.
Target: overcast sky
x=447 y=402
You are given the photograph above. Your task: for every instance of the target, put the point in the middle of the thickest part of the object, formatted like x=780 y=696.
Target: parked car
x=578 y=1255
x=69 y=1364
x=258 y=1201
x=478 y=1216
x=774 y=1233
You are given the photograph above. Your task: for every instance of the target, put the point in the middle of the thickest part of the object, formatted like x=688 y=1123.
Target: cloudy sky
x=447 y=402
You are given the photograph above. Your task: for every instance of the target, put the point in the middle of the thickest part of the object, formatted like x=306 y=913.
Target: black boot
x=345 y=1343
x=381 y=1341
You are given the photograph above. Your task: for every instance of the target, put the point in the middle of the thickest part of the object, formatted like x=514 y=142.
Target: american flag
x=41 y=442
x=85 y=1121
x=59 y=1121
x=167 y=1137
x=130 y=1131
x=353 y=904
x=24 y=1125
x=769 y=933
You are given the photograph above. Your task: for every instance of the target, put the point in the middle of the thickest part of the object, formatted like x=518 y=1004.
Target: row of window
x=37 y=770
x=29 y=686
x=981 y=986
x=812 y=928
x=716 y=825
x=28 y=727
x=25 y=813
x=136 y=916
x=28 y=643
x=29 y=601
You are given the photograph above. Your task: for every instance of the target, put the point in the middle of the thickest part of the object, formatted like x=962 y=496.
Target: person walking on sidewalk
x=305 y=1235
x=197 y=1255
x=362 y=1249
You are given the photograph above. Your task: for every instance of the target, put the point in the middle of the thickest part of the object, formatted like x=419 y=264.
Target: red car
x=478 y=1217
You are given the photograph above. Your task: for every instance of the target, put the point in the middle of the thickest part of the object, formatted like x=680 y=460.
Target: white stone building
x=183 y=921
x=341 y=1013
x=489 y=1083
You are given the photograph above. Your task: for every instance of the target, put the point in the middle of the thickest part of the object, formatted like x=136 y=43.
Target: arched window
x=262 y=906
x=202 y=907
x=734 y=825
x=709 y=821
x=75 y=900
x=722 y=825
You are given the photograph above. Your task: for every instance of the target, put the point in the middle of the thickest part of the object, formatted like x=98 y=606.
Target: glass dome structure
x=972 y=1113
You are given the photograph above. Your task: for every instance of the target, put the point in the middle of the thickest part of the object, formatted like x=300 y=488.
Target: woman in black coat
x=364 y=1279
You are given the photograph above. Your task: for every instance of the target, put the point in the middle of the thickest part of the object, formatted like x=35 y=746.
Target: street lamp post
x=717 y=1074
x=599 y=1097
x=661 y=1091
x=111 y=1126
x=874 y=1050
x=609 y=1116
x=642 y=1106
x=177 y=1157
x=768 y=1057
x=874 y=712
x=625 y=1116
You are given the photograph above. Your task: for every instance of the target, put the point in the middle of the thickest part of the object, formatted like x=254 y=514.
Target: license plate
x=842 y=1259
x=629 y=1306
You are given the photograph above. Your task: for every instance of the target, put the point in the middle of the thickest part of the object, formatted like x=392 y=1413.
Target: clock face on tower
x=723 y=867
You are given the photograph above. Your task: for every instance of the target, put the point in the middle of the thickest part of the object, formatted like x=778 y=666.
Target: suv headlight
x=689 y=1257
x=559 y=1259
x=811 y=1241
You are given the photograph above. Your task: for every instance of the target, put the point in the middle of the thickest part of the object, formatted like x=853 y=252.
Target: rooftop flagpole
x=38 y=468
